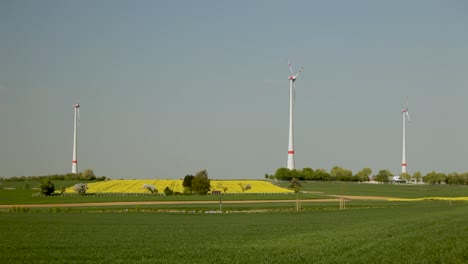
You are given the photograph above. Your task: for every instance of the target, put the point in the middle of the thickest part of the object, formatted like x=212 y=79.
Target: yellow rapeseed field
x=136 y=186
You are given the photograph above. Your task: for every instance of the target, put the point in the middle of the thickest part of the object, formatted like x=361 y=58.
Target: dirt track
x=191 y=202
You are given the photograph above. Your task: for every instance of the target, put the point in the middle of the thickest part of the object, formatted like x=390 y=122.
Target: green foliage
x=201 y=182
x=435 y=177
x=383 y=176
x=283 y=174
x=295 y=184
x=458 y=179
x=47 y=187
x=364 y=174
x=167 y=191
x=187 y=182
x=417 y=176
x=87 y=175
x=307 y=174
x=340 y=174
x=187 y=190
x=406 y=176
x=321 y=175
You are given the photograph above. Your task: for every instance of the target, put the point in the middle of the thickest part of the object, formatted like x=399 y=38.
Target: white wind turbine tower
x=75 y=160
x=405 y=115
x=292 y=90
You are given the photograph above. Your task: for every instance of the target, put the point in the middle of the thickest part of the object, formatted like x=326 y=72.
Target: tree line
x=338 y=173
x=86 y=175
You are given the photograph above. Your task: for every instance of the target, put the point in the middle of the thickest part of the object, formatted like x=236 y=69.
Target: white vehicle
x=398 y=179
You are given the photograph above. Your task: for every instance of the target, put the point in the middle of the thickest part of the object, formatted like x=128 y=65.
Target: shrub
x=47 y=187
x=168 y=191
x=201 y=182
x=81 y=188
x=150 y=188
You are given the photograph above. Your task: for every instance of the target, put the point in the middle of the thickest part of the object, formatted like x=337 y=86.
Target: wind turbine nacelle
x=291 y=78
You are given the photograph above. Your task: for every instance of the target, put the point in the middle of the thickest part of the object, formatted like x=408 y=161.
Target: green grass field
x=420 y=232
x=388 y=190
x=368 y=231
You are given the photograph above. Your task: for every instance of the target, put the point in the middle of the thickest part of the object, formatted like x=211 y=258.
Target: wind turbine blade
x=407 y=115
x=290 y=68
x=78 y=109
x=299 y=72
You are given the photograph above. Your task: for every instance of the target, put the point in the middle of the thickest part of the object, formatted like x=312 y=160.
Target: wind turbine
x=292 y=91
x=405 y=115
x=75 y=160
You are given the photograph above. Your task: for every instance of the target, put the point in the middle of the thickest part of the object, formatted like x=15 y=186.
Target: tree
x=340 y=174
x=321 y=175
x=435 y=178
x=295 y=185
x=88 y=174
x=441 y=177
x=201 y=182
x=454 y=178
x=47 y=187
x=283 y=174
x=464 y=177
x=222 y=187
x=81 y=188
x=150 y=188
x=187 y=183
x=245 y=187
x=168 y=191
x=364 y=174
x=295 y=174
x=406 y=176
x=225 y=188
x=383 y=176
x=417 y=176
x=308 y=174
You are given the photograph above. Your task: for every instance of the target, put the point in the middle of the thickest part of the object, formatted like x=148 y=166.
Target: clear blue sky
x=168 y=88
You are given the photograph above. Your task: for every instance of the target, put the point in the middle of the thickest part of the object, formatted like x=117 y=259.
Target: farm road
x=191 y=202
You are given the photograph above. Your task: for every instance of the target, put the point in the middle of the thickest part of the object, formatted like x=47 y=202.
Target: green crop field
x=419 y=232
x=387 y=190
x=367 y=231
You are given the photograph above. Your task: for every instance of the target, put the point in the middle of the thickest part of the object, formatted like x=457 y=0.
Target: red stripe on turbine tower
x=404 y=164
x=290 y=151
x=75 y=161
